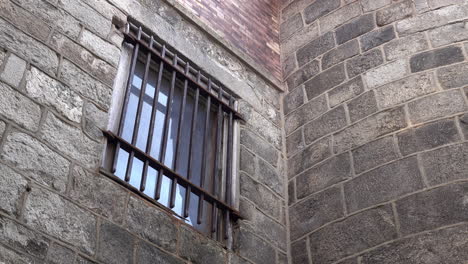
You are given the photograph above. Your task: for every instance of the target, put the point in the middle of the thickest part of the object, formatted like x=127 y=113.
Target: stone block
x=20 y=109
x=338 y=240
x=436 y=106
x=290 y=26
x=329 y=122
x=301 y=38
x=261 y=126
x=115 y=244
x=405 y=46
x=371 y=5
x=303 y=74
x=325 y=174
x=377 y=37
x=299 y=253
x=441 y=3
x=35 y=160
x=404 y=90
x=84 y=260
x=95 y=121
x=355 y=28
x=2 y=56
x=247 y=162
x=315 y=48
x=50 y=213
x=293 y=100
x=253 y=248
x=448 y=34
x=259 y=146
x=386 y=73
x=198 y=249
x=13 y=71
x=339 y=17
x=340 y=54
x=100 y=47
x=383 y=184
x=362 y=106
x=315 y=211
x=87 y=15
x=9 y=256
x=325 y=81
x=289 y=65
x=148 y=254
x=374 y=154
x=436 y=58
x=270 y=177
x=59 y=254
x=464 y=124
x=421 y=6
x=151 y=223
x=13 y=188
x=319 y=8
x=266 y=228
x=364 y=62
x=310 y=156
x=52 y=93
x=295 y=142
x=369 y=129
x=453 y=76
x=260 y=195
x=346 y=91
x=307 y=112
x=395 y=12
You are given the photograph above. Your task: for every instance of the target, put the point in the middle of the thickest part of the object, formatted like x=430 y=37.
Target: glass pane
x=122 y=161
x=130 y=116
x=151 y=178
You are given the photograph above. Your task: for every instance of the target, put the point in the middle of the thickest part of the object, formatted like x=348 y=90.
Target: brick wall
x=58 y=62
x=377 y=130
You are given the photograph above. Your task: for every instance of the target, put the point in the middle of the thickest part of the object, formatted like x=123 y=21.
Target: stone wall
x=377 y=130
x=58 y=62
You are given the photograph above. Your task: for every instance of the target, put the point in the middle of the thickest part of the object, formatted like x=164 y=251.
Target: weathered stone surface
x=346 y=91
x=299 y=39
x=325 y=124
x=436 y=106
x=362 y=106
x=377 y=37
x=260 y=125
x=453 y=76
x=315 y=48
x=50 y=92
x=340 y=54
x=325 y=174
x=95 y=121
x=86 y=15
x=405 y=46
x=464 y=124
x=299 y=252
x=446 y=164
x=290 y=26
x=247 y=162
x=261 y=196
x=383 y=184
x=436 y=58
x=2 y=56
x=58 y=217
x=27 y=47
x=394 y=12
x=288 y=65
x=340 y=16
x=446 y=246
x=370 y=128
x=370 y=5
x=100 y=47
x=305 y=113
x=338 y=240
x=303 y=74
x=448 y=34
x=253 y=248
x=373 y=154
x=199 y=249
x=13 y=187
x=84 y=260
x=319 y=8
x=428 y=136
x=313 y=154
x=317 y=210
x=151 y=223
x=13 y=71
x=115 y=244
x=364 y=62
x=270 y=177
x=386 y=73
x=19 y=108
x=405 y=89
x=36 y=160
x=291 y=192
x=440 y=3
x=295 y=142
x=355 y=28
x=293 y=100
x=421 y=6
x=325 y=80
x=59 y=254
x=9 y=256
x=148 y=254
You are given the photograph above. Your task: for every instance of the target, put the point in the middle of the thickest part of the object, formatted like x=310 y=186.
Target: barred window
x=174 y=142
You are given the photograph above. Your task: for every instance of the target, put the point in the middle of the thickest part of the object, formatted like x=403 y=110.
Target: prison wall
x=58 y=64
x=376 y=130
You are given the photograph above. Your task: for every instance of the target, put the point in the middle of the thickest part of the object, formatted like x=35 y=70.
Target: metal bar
x=229 y=169
x=216 y=168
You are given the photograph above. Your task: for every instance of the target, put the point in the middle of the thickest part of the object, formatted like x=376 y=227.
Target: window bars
x=174 y=143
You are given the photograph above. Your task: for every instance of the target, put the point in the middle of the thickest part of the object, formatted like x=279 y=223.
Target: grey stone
x=282 y=258
x=405 y=89
x=20 y=109
x=115 y=244
x=340 y=16
x=464 y=124
x=377 y=37
x=291 y=192
x=13 y=188
x=148 y=254
x=383 y=184
x=436 y=58
x=9 y=256
x=288 y=65
x=421 y=6
x=303 y=74
x=346 y=91
x=50 y=92
x=371 y=5
x=95 y=121
x=315 y=48
x=295 y=142
x=151 y=224
x=299 y=253
x=373 y=154
x=362 y=106
x=309 y=111
x=301 y=38
x=315 y=211
x=364 y=62
x=293 y=100
x=354 y=29
x=349 y=261
x=386 y=73
x=261 y=125
x=325 y=174
x=319 y=8
x=448 y=34
x=259 y=146
x=235 y=259
x=394 y=12
x=270 y=177
x=50 y=213
x=265 y=200
x=59 y=254
x=266 y=228
x=198 y=249
x=446 y=246
x=405 y=46
x=441 y=3
x=100 y=47
x=84 y=260
x=310 y=156
x=290 y=26
x=369 y=129
x=2 y=56
x=13 y=71
x=328 y=123
x=453 y=76
x=35 y=160
x=446 y=164
x=340 y=54
x=325 y=81
x=436 y=106
x=253 y=248
x=247 y=162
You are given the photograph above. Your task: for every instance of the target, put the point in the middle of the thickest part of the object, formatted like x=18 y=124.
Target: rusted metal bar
x=229 y=167
x=216 y=167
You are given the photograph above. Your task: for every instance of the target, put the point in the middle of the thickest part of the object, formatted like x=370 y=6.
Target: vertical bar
x=214 y=212
x=191 y=154
x=229 y=169
x=179 y=133
x=127 y=98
